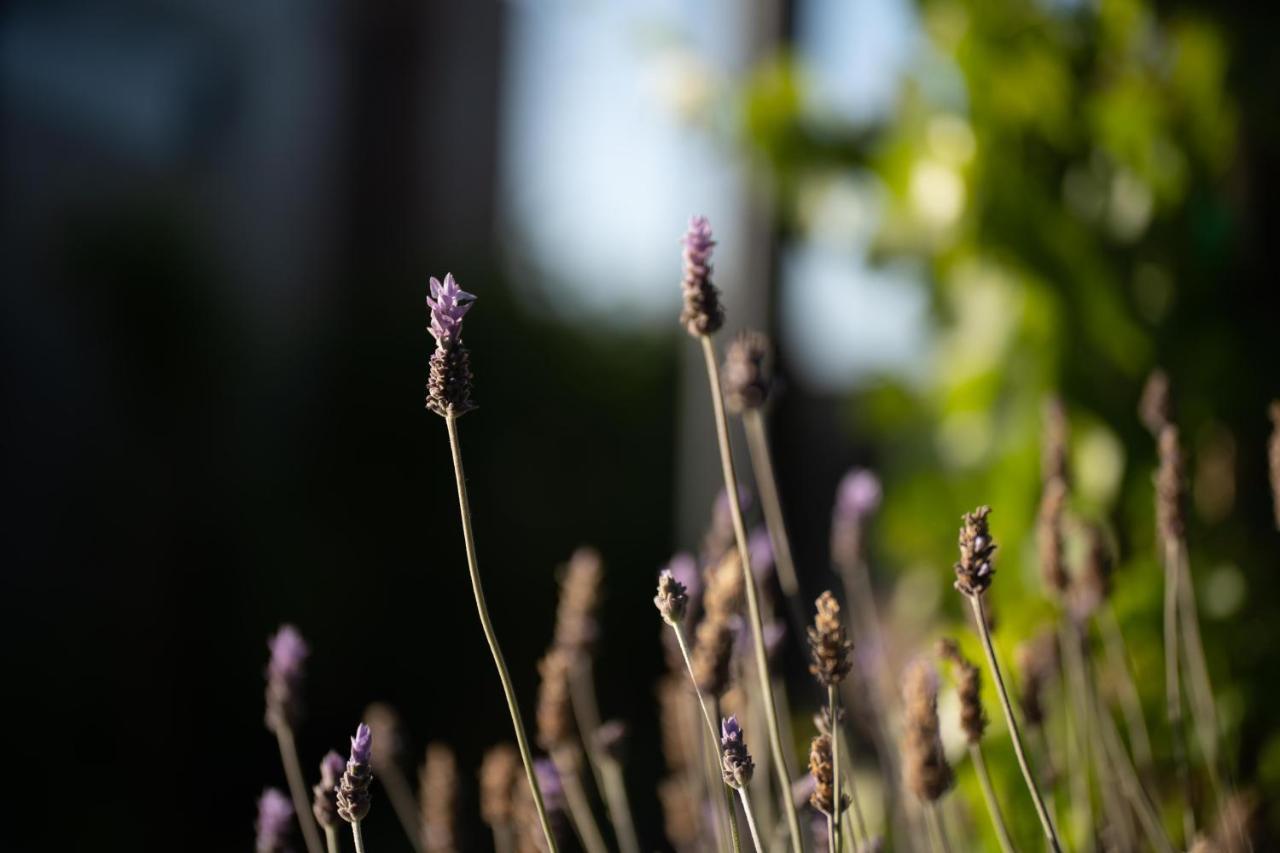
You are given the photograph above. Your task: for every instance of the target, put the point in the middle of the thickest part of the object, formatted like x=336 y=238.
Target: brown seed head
x=975 y=569
x=828 y=647
x=1170 y=483
x=925 y=766
x=576 y=615
x=1053 y=569
x=1056 y=448
x=554 y=714
x=438 y=799
x=499 y=770
x=679 y=812
x=823 y=773
x=713 y=638
x=1036 y=662
x=747 y=372
x=1093 y=584
x=973 y=719
x=1155 y=409
x=672 y=599
x=676 y=719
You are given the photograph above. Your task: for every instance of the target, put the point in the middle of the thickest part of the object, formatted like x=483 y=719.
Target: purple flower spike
x=324 y=801
x=858 y=495
x=275 y=816
x=285 y=671
x=353 y=789
x=362 y=745
x=735 y=762
x=449 y=303
x=702 y=314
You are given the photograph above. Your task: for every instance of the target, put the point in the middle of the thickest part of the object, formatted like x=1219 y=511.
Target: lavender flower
x=857 y=498
x=684 y=568
x=702 y=314
x=672 y=599
x=353 y=789
x=324 y=801
x=974 y=571
x=275 y=816
x=284 y=678
x=736 y=762
x=449 y=383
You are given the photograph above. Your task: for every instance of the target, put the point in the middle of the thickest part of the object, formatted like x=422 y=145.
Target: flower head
x=927 y=772
x=747 y=372
x=285 y=671
x=702 y=314
x=829 y=648
x=672 y=599
x=498 y=777
x=438 y=799
x=449 y=303
x=736 y=763
x=324 y=802
x=973 y=719
x=353 y=789
x=857 y=498
x=822 y=770
x=275 y=815
x=975 y=571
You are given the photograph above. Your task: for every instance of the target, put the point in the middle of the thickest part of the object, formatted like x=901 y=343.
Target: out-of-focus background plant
x=217 y=223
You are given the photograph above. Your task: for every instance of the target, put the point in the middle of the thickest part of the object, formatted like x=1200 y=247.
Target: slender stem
x=831 y=831
x=1077 y=715
x=1173 y=693
x=771 y=503
x=860 y=836
x=576 y=799
x=357 y=835
x=980 y=618
x=745 y=796
x=586 y=714
x=615 y=795
x=837 y=801
x=401 y=797
x=1199 y=687
x=331 y=838
x=1130 y=702
x=508 y=689
x=989 y=794
x=781 y=768
x=933 y=816
x=298 y=789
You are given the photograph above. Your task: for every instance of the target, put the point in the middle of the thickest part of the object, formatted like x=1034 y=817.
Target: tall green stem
x=837 y=801
x=298 y=788
x=980 y=618
x=989 y=794
x=1173 y=692
x=508 y=689
x=781 y=767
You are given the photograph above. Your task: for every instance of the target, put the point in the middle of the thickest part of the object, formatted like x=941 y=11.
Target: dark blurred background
x=217 y=222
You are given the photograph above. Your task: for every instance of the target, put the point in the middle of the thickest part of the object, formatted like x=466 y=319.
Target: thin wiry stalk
x=402 y=804
x=751 y=818
x=508 y=689
x=989 y=795
x=1173 y=696
x=1078 y=717
x=937 y=829
x=615 y=796
x=331 y=838
x=980 y=618
x=833 y=708
x=860 y=836
x=298 y=788
x=771 y=504
x=357 y=835
x=1199 y=687
x=586 y=715
x=580 y=815
x=1118 y=658
x=711 y=729
x=781 y=768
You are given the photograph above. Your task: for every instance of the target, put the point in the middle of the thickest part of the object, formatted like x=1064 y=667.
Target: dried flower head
x=1170 y=487
x=679 y=812
x=975 y=570
x=438 y=799
x=285 y=671
x=925 y=766
x=747 y=371
x=353 y=788
x=714 y=636
x=449 y=382
x=735 y=760
x=973 y=719
x=1093 y=584
x=676 y=719
x=555 y=710
x=275 y=816
x=1155 y=409
x=576 y=623
x=1056 y=441
x=857 y=498
x=828 y=645
x=324 y=796
x=1036 y=662
x=702 y=314
x=384 y=730
x=672 y=599
x=1049 y=538
x=499 y=772
x=822 y=770
x=1273 y=457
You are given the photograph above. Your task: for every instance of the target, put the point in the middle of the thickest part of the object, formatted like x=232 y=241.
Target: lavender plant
x=286 y=670
x=324 y=798
x=275 y=815
x=384 y=724
x=738 y=768
x=449 y=395
x=353 y=787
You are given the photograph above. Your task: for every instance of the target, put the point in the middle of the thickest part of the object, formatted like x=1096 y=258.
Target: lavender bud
x=702 y=314
x=974 y=571
x=736 y=762
x=275 y=816
x=324 y=802
x=747 y=373
x=353 y=789
x=285 y=671
x=672 y=599
x=449 y=381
